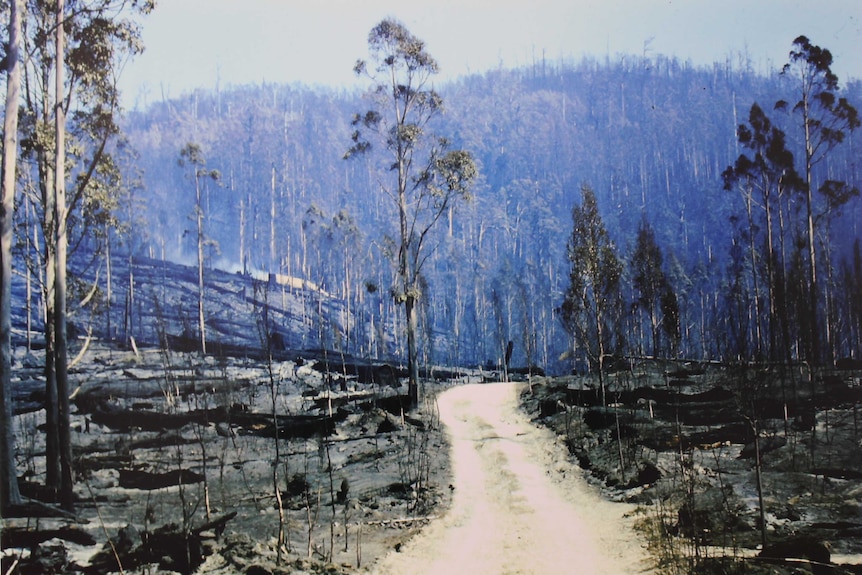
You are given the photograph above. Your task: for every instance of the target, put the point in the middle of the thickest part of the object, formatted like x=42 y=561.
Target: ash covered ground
x=176 y=464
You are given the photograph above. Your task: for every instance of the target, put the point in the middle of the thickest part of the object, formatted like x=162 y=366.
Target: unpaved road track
x=518 y=507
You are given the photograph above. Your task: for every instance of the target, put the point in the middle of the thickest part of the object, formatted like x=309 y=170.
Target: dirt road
x=518 y=507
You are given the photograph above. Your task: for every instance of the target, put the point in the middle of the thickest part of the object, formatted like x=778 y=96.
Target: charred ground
x=678 y=439
x=175 y=456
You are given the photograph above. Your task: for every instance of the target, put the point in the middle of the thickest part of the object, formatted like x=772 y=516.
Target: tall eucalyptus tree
x=767 y=179
x=70 y=103
x=825 y=121
x=427 y=175
x=9 y=493
x=653 y=290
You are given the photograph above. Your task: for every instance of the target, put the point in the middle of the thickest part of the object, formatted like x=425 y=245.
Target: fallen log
x=84 y=464
x=22 y=537
x=807 y=548
x=135 y=479
x=38 y=502
x=218 y=524
x=835 y=473
x=288 y=426
x=124 y=420
x=766 y=444
x=364 y=371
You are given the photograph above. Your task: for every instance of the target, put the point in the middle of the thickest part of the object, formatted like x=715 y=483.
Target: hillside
x=650 y=136
x=242 y=310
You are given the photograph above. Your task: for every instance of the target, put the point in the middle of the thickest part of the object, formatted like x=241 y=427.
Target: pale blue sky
x=192 y=43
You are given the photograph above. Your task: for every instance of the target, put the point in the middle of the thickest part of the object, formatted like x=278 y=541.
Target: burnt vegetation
x=736 y=468
x=668 y=254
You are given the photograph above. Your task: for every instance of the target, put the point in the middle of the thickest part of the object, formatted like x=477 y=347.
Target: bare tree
x=191 y=155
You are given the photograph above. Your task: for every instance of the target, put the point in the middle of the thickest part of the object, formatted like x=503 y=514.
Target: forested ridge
x=651 y=137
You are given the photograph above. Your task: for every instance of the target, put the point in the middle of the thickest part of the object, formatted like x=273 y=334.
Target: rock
x=789 y=513
x=238 y=549
x=172 y=550
x=548 y=407
x=126 y=543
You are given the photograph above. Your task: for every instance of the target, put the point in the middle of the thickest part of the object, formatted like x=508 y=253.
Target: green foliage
x=654 y=293
x=99 y=37
x=594 y=279
x=426 y=176
x=827 y=118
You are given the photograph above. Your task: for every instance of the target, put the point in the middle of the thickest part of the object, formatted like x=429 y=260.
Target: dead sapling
x=265 y=331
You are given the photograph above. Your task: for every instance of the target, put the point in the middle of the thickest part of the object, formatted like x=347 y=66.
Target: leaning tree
x=426 y=177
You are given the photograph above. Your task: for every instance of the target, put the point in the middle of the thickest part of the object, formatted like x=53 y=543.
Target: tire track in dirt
x=518 y=507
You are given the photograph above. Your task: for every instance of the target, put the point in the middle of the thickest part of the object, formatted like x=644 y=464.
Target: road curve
x=518 y=507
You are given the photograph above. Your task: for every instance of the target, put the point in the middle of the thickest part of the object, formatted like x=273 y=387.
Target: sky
x=203 y=43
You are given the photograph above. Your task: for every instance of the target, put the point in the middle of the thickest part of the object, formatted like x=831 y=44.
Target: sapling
x=311 y=518
x=264 y=332
x=359 y=544
x=287 y=513
x=414 y=465
x=331 y=498
x=189 y=507
x=202 y=444
x=344 y=500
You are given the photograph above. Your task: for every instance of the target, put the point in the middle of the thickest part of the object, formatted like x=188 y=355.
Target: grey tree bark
x=61 y=343
x=9 y=493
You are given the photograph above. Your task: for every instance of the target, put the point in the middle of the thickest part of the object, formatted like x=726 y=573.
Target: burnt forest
x=225 y=348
